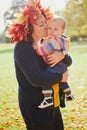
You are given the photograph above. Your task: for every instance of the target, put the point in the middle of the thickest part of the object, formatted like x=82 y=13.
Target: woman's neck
x=36 y=39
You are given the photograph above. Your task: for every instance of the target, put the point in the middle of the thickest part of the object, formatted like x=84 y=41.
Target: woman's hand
x=53 y=58
x=65 y=77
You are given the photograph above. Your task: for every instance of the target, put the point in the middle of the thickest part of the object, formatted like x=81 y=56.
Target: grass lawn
x=75 y=113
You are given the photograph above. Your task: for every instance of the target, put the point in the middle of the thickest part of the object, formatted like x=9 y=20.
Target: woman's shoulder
x=22 y=45
x=23 y=48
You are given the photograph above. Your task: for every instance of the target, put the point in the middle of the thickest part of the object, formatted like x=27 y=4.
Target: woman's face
x=40 y=28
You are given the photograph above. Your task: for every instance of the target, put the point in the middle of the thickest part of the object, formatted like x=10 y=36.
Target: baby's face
x=55 y=28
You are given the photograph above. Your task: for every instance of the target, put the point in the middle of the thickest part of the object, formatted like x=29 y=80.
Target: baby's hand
x=53 y=58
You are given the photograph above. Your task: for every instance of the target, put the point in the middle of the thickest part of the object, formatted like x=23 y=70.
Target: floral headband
x=19 y=29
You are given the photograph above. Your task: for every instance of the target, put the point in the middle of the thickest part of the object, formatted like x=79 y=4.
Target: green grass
x=10 y=118
x=75 y=113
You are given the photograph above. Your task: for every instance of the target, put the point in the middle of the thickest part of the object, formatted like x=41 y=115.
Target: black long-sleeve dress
x=32 y=76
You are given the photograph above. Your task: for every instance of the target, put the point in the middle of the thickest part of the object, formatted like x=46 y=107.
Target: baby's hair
x=61 y=20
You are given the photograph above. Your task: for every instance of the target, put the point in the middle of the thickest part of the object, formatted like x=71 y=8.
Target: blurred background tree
x=9 y=14
x=75 y=13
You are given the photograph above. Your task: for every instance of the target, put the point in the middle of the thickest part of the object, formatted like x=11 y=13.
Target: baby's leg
x=48 y=99
x=66 y=89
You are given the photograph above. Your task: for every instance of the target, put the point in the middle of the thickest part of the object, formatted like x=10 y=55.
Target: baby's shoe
x=47 y=101
x=69 y=97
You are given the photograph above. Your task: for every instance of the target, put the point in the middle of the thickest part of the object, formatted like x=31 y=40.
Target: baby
x=56 y=41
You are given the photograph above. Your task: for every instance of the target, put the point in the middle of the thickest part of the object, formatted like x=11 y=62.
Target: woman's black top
x=32 y=76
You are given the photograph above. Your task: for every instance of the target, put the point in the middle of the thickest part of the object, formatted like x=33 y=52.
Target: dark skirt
x=55 y=124
x=39 y=119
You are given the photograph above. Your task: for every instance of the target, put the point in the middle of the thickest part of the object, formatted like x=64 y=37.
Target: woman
x=26 y=31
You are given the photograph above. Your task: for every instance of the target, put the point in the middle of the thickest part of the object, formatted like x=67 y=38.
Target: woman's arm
x=54 y=58
x=26 y=59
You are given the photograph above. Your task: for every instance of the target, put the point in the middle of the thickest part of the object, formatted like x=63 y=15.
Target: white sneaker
x=48 y=101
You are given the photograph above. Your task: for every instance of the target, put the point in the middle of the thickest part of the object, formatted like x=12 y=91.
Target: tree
x=76 y=15
x=9 y=14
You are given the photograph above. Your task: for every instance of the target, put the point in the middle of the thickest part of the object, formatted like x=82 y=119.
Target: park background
x=75 y=112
